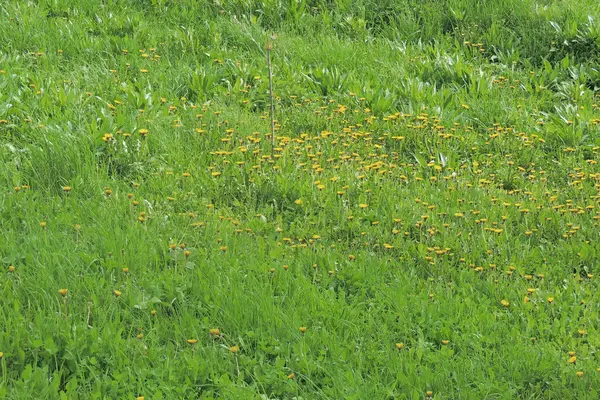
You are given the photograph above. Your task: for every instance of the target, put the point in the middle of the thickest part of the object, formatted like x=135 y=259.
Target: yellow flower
x=445 y=342
x=67 y=188
x=298 y=201
x=63 y=292
x=215 y=332
x=143 y=132
x=116 y=293
x=302 y=329
x=43 y=224
x=192 y=341
x=399 y=346
x=550 y=300
x=11 y=268
x=125 y=270
x=362 y=205
x=505 y=303
x=579 y=373
x=234 y=349
x=291 y=376
x=572 y=360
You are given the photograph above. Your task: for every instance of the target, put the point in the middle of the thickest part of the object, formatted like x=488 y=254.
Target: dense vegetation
x=425 y=225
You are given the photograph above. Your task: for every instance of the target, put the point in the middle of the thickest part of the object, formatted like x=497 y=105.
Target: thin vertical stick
x=269 y=47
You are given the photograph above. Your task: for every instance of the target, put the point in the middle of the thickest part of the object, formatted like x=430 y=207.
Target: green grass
x=434 y=160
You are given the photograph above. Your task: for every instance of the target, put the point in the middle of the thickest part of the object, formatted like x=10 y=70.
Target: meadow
x=423 y=224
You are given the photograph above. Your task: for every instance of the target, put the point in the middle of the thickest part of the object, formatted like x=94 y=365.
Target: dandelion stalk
x=66 y=307
x=269 y=48
x=4 y=376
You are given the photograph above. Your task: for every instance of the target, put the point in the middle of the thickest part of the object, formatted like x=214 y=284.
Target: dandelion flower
x=63 y=292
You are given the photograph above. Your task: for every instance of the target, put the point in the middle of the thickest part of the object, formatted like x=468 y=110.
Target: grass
x=426 y=227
